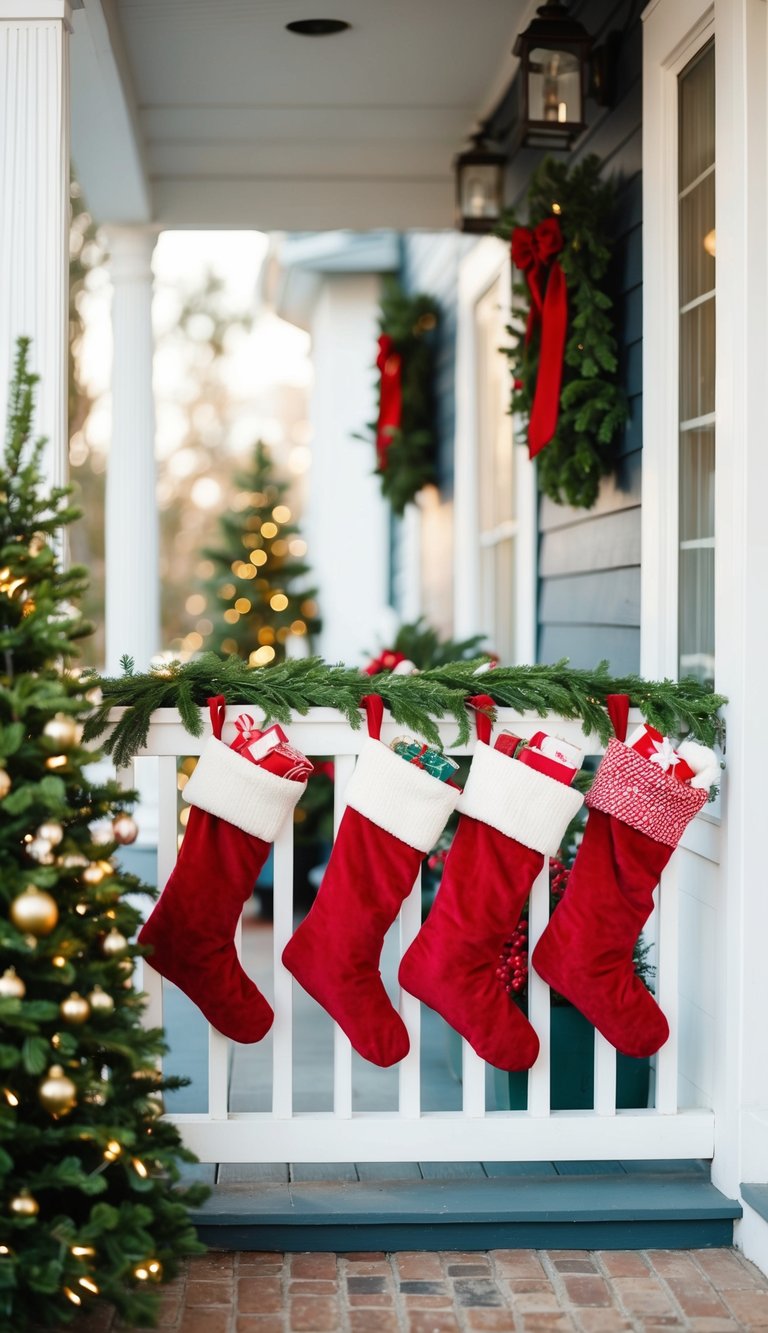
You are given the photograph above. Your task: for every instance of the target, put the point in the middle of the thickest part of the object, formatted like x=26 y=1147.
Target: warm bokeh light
x=258 y=558
x=268 y=530
x=195 y=604
x=266 y=634
x=242 y=605
x=278 y=601
x=281 y=514
x=298 y=627
x=262 y=656
x=297 y=546
x=231 y=616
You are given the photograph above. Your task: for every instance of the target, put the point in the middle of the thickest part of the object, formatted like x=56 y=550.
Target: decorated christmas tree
x=89 y=1208
x=258 y=597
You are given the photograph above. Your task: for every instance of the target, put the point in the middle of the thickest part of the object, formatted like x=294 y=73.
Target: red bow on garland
x=534 y=252
x=389 y=363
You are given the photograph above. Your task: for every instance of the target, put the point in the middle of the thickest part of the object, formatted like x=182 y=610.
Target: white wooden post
x=34 y=218
x=132 y=571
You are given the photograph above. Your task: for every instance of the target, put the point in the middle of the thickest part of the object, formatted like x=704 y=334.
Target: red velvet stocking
x=395 y=814
x=512 y=816
x=237 y=811
x=637 y=817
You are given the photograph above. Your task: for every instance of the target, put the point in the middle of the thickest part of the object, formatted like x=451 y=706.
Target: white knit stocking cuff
x=517 y=800
x=399 y=797
x=232 y=788
x=641 y=794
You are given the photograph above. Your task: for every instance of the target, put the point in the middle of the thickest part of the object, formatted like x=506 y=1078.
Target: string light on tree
x=24 y=1204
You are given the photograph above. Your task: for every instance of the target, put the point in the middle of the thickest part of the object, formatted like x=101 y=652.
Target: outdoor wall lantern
x=554 y=54
x=479 y=185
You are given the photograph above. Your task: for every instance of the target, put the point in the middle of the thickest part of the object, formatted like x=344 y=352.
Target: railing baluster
x=538 y=998
x=472 y=1082
x=605 y=1076
x=167 y=851
x=409 y=1069
x=342 y=1049
x=282 y=1039
x=667 y=987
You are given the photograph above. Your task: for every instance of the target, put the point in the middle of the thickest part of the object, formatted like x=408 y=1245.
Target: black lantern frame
x=481 y=166
x=558 y=88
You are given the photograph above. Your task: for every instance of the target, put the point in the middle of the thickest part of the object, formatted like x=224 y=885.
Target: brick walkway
x=504 y=1291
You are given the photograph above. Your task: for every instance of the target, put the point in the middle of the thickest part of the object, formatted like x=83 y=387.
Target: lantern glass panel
x=480 y=193
x=554 y=86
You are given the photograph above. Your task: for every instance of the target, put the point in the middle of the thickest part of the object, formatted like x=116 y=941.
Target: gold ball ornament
x=5 y=784
x=63 y=730
x=50 y=832
x=24 y=1204
x=57 y=1093
x=101 y=1002
x=11 y=986
x=34 y=912
x=125 y=829
x=75 y=1009
x=93 y=874
x=113 y=943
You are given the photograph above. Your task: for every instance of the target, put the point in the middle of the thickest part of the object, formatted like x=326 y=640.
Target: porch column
x=132 y=591
x=34 y=217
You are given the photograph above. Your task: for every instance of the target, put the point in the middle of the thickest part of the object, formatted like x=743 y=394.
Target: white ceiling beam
x=288 y=204
x=107 y=148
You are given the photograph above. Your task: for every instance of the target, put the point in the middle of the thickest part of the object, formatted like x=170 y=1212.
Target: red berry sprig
x=513 y=960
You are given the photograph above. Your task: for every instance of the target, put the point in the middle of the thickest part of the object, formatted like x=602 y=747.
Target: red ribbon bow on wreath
x=534 y=251
x=390 y=364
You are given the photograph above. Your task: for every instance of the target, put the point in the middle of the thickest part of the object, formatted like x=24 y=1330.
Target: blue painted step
x=614 y=1211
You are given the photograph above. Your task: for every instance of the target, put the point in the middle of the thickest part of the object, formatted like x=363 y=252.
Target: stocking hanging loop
x=618 y=712
x=374 y=711
x=483 y=705
x=217 y=707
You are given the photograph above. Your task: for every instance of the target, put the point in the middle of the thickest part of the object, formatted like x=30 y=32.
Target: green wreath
x=404 y=430
x=592 y=407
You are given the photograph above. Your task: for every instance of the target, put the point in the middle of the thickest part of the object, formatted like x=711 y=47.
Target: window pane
x=697 y=490
x=697 y=116
x=697 y=614
x=697 y=240
x=697 y=360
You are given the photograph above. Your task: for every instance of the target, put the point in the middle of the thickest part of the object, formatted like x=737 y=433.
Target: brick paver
x=502 y=1291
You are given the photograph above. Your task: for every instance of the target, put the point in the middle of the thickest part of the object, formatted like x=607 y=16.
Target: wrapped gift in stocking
x=640 y=803
x=395 y=813
x=238 y=808
x=511 y=816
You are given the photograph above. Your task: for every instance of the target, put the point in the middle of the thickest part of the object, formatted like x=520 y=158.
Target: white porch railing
x=663 y=1130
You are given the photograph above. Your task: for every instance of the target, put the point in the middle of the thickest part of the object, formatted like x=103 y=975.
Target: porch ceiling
x=190 y=113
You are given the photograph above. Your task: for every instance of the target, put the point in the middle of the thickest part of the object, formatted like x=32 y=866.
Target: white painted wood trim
x=488 y=260
x=450 y=1136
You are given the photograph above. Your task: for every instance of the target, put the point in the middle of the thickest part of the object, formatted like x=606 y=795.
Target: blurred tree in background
x=258 y=598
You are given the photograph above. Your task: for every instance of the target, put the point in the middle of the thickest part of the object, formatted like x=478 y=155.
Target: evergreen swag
x=89 y=1207
x=414 y=701
x=408 y=462
x=592 y=405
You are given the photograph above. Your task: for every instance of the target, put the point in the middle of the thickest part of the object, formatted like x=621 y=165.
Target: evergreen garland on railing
x=414 y=701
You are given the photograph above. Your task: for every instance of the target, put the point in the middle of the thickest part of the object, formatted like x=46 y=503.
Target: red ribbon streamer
x=534 y=252
x=389 y=363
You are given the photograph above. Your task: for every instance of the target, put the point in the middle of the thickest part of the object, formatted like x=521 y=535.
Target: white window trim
x=484 y=265
x=673 y=33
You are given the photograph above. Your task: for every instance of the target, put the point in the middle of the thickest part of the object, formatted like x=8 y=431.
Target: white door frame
x=485 y=263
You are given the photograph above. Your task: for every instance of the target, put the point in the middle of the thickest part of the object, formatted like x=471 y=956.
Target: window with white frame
x=696 y=277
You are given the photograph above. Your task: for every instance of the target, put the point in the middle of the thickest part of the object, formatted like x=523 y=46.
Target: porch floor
x=509 y=1291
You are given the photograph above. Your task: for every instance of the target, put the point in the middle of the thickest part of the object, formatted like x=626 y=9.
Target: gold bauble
x=125 y=829
x=72 y=860
x=113 y=943
x=5 y=784
x=75 y=1009
x=11 y=986
x=50 y=832
x=57 y=1093
x=63 y=730
x=34 y=912
x=24 y=1204
x=100 y=1001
